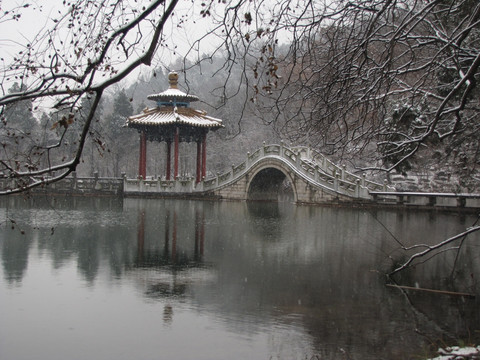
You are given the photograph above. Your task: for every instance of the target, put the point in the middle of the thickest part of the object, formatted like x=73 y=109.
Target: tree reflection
x=15 y=249
x=258 y=266
x=88 y=260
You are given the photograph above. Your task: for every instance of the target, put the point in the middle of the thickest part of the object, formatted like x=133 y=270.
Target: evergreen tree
x=122 y=108
x=18 y=135
x=19 y=116
x=118 y=138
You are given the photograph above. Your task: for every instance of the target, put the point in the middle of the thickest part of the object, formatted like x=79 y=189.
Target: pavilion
x=173 y=121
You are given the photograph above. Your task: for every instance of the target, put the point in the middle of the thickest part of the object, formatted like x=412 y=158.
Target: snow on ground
x=455 y=352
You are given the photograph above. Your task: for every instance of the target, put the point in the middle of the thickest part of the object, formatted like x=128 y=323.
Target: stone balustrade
x=298 y=160
x=427 y=200
x=315 y=178
x=76 y=185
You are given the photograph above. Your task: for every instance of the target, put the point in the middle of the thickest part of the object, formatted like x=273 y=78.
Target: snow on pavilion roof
x=168 y=113
x=172 y=95
x=172 y=115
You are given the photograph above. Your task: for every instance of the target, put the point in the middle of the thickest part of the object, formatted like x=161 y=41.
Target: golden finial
x=173 y=80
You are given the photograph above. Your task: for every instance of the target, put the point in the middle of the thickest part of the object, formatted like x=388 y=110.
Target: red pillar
x=142 y=163
x=204 y=156
x=199 y=161
x=169 y=157
x=175 y=164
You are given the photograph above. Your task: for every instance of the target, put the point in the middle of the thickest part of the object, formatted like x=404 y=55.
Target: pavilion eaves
x=168 y=115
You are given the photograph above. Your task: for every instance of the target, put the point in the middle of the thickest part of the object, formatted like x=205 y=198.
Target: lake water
x=107 y=278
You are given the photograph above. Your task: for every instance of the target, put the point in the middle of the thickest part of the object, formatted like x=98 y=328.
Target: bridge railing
x=307 y=163
x=326 y=174
x=330 y=168
x=74 y=185
x=434 y=200
x=321 y=170
x=158 y=185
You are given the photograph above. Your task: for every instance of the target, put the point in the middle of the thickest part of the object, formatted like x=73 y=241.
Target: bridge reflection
x=245 y=265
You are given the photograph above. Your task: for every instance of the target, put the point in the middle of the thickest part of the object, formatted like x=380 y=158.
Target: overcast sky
x=14 y=35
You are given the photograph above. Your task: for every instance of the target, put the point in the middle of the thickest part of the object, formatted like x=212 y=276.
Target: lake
x=112 y=278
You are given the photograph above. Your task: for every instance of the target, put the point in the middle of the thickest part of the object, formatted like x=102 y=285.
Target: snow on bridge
x=266 y=172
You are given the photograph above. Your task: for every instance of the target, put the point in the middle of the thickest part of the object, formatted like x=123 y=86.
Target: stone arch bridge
x=304 y=174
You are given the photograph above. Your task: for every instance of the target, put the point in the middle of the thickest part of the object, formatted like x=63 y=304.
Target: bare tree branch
x=430 y=249
x=78 y=79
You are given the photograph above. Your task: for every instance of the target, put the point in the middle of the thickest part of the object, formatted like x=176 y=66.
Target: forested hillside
x=384 y=87
x=112 y=149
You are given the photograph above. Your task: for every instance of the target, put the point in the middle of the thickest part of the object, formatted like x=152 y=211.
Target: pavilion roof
x=172 y=96
x=170 y=115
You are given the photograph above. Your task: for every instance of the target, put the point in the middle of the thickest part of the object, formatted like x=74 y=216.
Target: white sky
x=15 y=34
x=41 y=13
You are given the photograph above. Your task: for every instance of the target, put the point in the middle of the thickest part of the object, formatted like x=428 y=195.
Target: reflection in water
x=199 y=234
x=231 y=280
x=168 y=254
x=15 y=251
x=168 y=314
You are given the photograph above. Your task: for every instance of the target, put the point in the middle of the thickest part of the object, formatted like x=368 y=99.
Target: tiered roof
x=173 y=109
x=178 y=115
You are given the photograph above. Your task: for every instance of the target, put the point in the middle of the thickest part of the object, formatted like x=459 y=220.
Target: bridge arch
x=311 y=176
x=269 y=180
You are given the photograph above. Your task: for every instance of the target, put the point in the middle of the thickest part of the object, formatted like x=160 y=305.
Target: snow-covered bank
x=457 y=353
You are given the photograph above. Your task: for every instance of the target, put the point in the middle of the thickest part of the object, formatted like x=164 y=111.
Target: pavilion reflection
x=173 y=246
x=168 y=245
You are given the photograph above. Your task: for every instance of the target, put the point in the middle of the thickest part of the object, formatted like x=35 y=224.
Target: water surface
x=85 y=278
